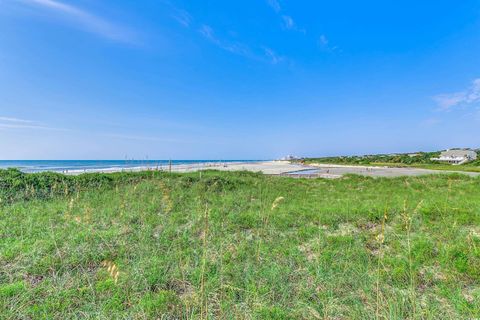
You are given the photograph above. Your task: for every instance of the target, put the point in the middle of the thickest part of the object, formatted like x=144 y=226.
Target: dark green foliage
x=16 y=185
x=417 y=158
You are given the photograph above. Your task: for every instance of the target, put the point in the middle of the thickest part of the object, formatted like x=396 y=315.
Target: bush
x=17 y=186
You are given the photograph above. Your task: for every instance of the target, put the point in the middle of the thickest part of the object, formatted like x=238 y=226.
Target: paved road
x=336 y=171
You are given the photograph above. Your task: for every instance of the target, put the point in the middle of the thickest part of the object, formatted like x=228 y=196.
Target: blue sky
x=244 y=79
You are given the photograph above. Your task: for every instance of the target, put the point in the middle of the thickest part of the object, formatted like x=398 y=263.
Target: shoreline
x=276 y=167
x=267 y=167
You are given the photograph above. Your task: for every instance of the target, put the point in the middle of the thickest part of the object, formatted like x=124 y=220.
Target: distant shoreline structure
x=290 y=158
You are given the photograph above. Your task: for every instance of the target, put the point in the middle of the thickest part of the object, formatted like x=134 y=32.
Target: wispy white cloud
x=207 y=32
x=24 y=126
x=273 y=57
x=266 y=54
x=16 y=123
x=182 y=17
x=446 y=101
x=323 y=41
x=15 y=120
x=467 y=97
x=86 y=20
x=324 y=44
x=233 y=47
x=288 y=22
x=225 y=42
x=275 y=5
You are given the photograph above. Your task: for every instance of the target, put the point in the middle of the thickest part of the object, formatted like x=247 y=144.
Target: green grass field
x=239 y=245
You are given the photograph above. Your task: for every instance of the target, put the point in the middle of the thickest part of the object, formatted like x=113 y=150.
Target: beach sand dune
x=287 y=168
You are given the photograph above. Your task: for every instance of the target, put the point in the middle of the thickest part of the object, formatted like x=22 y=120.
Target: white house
x=457 y=156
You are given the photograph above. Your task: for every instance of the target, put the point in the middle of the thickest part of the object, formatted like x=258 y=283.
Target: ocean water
x=100 y=165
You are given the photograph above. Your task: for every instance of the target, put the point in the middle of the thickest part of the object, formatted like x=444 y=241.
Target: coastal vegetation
x=238 y=245
x=416 y=160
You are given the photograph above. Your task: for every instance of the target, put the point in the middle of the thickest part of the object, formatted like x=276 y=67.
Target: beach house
x=457 y=156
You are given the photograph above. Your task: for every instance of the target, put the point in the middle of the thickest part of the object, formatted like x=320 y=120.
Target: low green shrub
x=16 y=185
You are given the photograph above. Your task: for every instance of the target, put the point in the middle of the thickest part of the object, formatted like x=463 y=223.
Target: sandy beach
x=372 y=171
x=266 y=167
x=286 y=168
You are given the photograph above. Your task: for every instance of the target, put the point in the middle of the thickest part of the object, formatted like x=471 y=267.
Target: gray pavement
x=336 y=171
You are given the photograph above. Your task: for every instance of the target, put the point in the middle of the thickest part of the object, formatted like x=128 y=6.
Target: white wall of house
x=457 y=156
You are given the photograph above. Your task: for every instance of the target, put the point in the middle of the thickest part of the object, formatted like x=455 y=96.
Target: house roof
x=458 y=153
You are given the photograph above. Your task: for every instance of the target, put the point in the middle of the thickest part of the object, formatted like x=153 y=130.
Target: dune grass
x=239 y=245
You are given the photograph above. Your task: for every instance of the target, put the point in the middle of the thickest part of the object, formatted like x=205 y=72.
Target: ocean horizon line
x=31 y=166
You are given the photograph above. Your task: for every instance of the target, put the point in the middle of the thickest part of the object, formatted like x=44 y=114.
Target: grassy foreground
x=239 y=246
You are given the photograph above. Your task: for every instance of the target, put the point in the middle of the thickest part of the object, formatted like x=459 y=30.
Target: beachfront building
x=289 y=158
x=457 y=156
